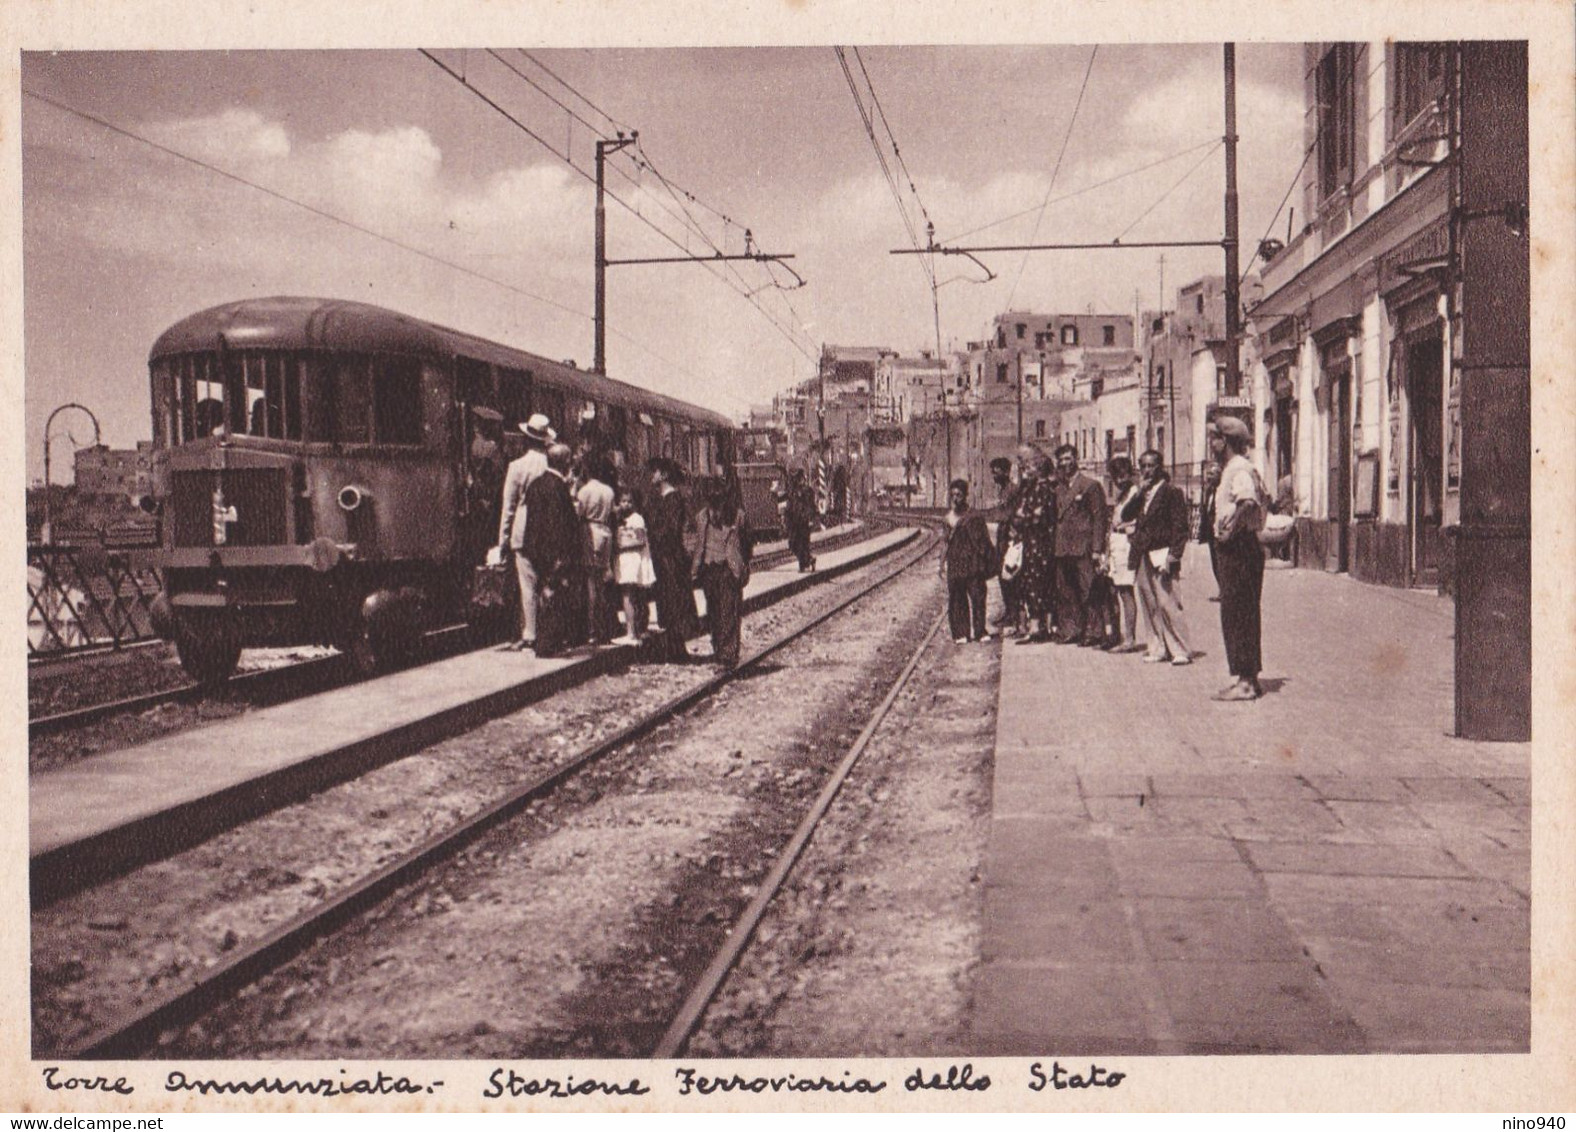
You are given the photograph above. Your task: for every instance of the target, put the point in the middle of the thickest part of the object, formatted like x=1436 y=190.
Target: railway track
x=139 y=1030
x=317 y=674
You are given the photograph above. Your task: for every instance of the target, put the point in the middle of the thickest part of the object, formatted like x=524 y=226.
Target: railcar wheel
x=209 y=652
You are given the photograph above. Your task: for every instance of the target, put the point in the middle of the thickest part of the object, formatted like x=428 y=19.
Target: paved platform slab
x=1320 y=871
x=166 y=779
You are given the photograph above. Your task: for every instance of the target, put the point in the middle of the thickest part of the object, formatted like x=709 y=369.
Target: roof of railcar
x=292 y=323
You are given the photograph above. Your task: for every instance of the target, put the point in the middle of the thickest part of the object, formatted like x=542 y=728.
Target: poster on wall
x=1393 y=472
x=1453 y=449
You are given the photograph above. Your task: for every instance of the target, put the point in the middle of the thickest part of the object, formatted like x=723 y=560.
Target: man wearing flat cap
x=1240 y=502
x=511 y=525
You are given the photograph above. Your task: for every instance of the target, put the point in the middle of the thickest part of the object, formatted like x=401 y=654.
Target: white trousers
x=527 y=573
x=1160 y=597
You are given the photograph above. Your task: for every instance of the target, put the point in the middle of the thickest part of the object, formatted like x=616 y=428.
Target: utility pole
x=1233 y=298
x=1490 y=258
x=603 y=148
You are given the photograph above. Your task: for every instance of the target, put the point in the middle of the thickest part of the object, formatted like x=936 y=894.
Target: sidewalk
x=1322 y=870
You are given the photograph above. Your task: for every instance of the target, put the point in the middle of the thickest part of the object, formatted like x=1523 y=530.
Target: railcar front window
x=396 y=400
x=351 y=400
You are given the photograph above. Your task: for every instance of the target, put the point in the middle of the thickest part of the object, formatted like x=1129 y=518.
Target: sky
x=451 y=212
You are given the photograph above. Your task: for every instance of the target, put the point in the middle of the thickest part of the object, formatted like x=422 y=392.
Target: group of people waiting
x=587 y=548
x=1077 y=569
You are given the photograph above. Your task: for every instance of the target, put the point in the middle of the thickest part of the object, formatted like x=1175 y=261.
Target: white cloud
x=228 y=137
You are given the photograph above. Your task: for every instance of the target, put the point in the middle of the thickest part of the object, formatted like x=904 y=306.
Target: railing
x=85 y=598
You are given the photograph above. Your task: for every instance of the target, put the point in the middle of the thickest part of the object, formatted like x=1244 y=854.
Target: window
x=1198 y=302
x=1001 y=372
x=1419 y=79
x=1160 y=438
x=1021 y=328
x=349 y=400
x=1039 y=430
x=270 y=384
x=514 y=396
x=1039 y=341
x=1108 y=335
x=1220 y=379
x=1001 y=337
x=1096 y=387
x=1337 y=105
x=1069 y=336
x=396 y=400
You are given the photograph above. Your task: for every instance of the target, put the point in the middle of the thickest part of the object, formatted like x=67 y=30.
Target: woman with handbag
x=1034 y=525
x=722 y=566
x=1122 y=576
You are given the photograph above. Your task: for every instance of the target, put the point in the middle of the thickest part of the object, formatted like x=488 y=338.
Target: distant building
x=102 y=470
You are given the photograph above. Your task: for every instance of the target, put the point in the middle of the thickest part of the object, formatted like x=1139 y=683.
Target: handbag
x=1012 y=559
x=490 y=589
x=1159 y=556
x=1276 y=529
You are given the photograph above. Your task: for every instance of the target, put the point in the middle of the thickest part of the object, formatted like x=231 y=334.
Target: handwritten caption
x=504 y=1082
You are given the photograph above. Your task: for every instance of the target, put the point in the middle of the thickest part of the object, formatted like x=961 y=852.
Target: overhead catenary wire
x=1194 y=168
x=1055 y=169
x=1086 y=189
x=325 y=214
x=568 y=159
x=886 y=170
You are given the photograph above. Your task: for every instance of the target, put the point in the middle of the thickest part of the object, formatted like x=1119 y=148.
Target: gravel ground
x=104 y=951
x=871 y=947
x=575 y=929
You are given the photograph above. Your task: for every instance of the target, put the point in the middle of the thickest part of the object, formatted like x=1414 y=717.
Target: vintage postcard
x=803 y=556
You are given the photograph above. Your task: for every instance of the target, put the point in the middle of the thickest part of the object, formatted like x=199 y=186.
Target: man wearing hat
x=1239 y=514
x=511 y=524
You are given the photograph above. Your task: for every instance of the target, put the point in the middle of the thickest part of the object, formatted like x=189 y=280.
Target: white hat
x=537 y=429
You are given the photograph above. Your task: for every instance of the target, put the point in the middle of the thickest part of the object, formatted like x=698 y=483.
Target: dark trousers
x=1074 y=580
x=724 y=604
x=966 y=605
x=1011 y=602
x=675 y=606
x=799 y=545
x=1240 y=564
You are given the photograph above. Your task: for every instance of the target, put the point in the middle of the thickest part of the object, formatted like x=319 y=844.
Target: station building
x=1353 y=350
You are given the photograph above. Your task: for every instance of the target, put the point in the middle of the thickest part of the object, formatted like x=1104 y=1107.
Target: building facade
x=1353 y=345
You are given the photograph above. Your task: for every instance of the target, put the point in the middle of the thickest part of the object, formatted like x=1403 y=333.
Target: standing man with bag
x=1240 y=504
x=511 y=522
x=722 y=566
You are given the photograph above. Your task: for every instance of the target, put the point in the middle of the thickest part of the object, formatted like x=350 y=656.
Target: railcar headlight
x=352 y=496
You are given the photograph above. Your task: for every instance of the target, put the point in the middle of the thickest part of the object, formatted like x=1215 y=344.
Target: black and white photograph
x=795 y=560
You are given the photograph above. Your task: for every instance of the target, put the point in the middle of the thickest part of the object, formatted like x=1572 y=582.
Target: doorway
x=1425 y=486
x=1340 y=375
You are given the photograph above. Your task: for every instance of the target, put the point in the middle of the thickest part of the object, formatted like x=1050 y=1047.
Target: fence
x=82 y=598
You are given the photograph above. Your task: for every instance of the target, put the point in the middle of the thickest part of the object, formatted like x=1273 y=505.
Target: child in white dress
x=632 y=568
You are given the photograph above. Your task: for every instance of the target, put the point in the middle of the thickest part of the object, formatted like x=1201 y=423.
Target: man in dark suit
x=1160 y=531
x=1082 y=526
x=552 y=543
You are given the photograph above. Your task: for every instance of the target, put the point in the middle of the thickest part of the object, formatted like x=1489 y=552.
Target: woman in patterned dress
x=1034 y=522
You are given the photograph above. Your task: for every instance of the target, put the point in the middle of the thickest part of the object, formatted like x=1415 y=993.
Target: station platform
x=1319 y=871
x=101 y=814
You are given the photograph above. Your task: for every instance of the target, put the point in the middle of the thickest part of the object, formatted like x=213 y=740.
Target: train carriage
x=330 y=471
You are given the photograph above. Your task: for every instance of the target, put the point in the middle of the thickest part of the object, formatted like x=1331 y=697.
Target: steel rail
x=140 y=1029
x=722 y=965
x=333 y=667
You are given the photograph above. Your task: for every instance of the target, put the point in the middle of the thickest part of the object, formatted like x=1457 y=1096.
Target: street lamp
x=47 y=533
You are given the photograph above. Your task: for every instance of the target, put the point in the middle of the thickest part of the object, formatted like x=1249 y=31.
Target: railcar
x=330 y=472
